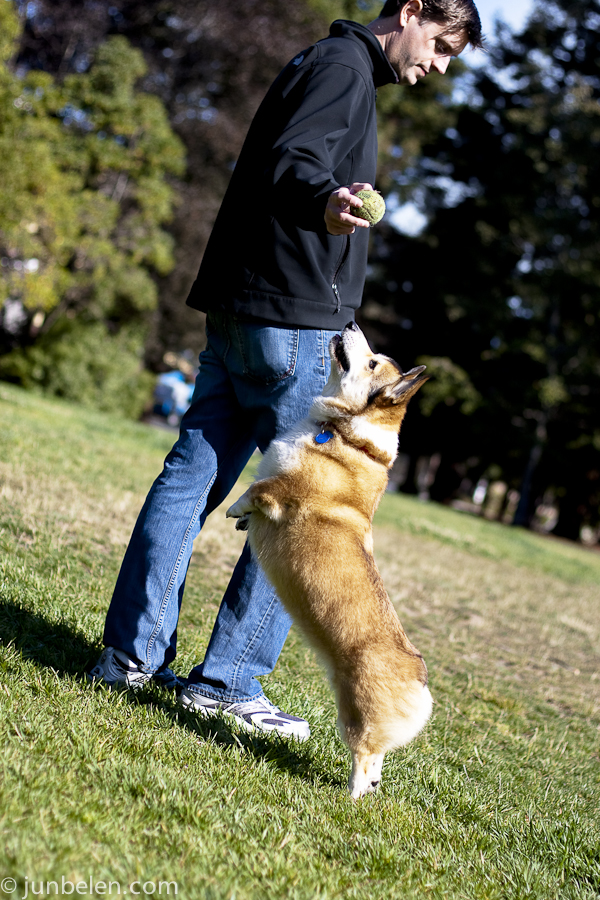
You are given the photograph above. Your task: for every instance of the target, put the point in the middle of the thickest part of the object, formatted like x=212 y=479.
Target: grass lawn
x=498 y=798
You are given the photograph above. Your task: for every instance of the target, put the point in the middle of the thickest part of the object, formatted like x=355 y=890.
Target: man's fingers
x=355 y=188
x=345 y=223
x=349 y=219
x=347 y=228
x=338 y=213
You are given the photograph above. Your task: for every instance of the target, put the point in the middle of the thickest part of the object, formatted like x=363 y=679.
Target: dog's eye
x=373 y=364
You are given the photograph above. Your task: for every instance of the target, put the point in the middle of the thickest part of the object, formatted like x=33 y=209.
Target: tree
x=211 y=74
x=505 y=279
x=83 y=163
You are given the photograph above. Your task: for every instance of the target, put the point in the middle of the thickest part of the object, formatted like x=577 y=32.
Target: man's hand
x=338 y=212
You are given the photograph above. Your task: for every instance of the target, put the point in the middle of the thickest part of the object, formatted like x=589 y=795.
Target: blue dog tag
x=323 y=437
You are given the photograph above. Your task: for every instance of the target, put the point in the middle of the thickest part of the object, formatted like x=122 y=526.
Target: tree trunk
x=524 y=512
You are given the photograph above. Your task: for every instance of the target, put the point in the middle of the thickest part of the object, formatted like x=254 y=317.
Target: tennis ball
x=373 y=207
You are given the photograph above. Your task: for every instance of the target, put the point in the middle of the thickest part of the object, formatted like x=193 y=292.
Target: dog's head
x=360 y=378
x=366 y=395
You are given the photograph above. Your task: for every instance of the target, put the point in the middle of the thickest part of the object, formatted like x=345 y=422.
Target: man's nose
x=440 y=64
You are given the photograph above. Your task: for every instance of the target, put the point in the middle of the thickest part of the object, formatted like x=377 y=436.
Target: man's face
x=415 y=49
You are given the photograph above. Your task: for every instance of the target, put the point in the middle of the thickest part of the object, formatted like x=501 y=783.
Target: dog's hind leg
x=366 y=773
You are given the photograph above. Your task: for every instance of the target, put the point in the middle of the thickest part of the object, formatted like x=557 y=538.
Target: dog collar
x=326 y=435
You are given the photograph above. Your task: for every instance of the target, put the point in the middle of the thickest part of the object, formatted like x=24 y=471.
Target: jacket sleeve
x=328 y=118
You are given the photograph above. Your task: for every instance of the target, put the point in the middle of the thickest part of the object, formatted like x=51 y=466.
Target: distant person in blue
x=172 y=396
x=283 y=272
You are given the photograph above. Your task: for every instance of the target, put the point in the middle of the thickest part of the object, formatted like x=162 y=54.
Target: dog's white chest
x=285 y=454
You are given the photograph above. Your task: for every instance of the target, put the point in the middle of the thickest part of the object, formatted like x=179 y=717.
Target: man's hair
x=455 y=16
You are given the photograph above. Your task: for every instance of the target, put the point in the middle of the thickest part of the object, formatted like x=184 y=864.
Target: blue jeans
x=254 y=383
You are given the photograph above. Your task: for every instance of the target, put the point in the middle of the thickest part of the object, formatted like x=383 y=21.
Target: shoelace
x=260 y=705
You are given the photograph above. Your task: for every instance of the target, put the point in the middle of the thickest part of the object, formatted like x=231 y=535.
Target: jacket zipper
x=337 y=272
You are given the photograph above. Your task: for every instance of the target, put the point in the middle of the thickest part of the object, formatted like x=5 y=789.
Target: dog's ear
x=400 y=391
x=408 y=384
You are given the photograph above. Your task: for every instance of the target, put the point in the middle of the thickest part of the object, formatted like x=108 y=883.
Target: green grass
x=493 y=540
x=498 y=798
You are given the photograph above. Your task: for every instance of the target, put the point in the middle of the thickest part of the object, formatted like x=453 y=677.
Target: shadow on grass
x=60 y=646
x=285 y=754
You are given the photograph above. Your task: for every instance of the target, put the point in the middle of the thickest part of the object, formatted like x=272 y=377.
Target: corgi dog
x=309 y=520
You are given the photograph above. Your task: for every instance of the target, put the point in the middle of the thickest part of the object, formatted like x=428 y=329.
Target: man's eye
x=373 y=364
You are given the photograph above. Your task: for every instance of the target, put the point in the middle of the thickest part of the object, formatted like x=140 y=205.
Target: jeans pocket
x=268 y=354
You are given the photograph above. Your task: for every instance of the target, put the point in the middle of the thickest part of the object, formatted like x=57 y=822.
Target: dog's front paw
x=243 y=522
x=241 y=507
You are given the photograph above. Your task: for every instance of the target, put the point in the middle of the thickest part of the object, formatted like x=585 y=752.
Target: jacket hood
x=383 y=73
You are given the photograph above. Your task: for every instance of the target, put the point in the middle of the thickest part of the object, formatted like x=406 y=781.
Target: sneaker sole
x=190 y=705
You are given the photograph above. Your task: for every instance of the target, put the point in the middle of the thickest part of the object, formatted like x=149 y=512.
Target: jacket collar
x=382 y=70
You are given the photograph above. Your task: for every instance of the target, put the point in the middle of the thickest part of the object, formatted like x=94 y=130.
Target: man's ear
x=408 y=10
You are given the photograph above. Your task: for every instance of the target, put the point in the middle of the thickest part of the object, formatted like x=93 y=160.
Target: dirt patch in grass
x=527 y=630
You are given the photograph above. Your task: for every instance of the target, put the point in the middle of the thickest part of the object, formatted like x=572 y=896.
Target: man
x=275 y=291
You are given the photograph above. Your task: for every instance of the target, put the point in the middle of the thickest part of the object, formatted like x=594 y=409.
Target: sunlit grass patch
x=498 y=798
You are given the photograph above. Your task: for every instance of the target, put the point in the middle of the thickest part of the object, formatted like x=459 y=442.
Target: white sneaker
x=117 y=670
x=258 y=714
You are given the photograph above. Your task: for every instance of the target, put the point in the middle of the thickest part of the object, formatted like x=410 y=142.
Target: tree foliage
x=211 y=74
x=83 y=164
x=504 y=282
x=210 y=65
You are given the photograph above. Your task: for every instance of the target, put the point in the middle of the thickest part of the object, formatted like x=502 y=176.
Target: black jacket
x=270 y=257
